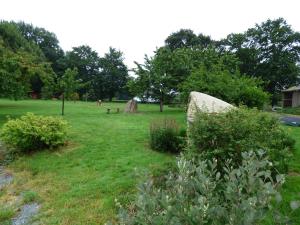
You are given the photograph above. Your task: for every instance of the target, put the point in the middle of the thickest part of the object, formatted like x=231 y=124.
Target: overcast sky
x=137 y=27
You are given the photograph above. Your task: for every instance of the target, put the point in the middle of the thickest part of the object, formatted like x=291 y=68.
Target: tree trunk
x=161 y=102
x=63 y=104
x=161 y=105
x=110 y=99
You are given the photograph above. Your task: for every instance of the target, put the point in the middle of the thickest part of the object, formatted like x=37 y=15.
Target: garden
x=94 y=177
x=193 y=135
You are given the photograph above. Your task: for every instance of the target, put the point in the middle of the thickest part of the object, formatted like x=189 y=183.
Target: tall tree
x=186 y=38
x=154 y=81
x=47 y=42
x=67 y=85
x=86 y=61
x=271 y=51
x=179 y=63
x=20 y=62
x=162 y=76
x=114 y=72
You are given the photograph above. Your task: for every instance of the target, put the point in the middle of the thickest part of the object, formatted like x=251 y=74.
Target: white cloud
x=137 y=27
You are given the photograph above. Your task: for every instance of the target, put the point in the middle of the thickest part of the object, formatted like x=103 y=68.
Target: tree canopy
x=271 y=51
x=114 y=72
x=176 y=73
x=105 y=76
x=67 y=85
x=21 y=62
x=230 y=87
x=47 y=42
x=86 y=61
x=31 y=60
x=186 y=38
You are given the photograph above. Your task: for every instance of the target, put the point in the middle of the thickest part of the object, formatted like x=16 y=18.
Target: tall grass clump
x=166 y=135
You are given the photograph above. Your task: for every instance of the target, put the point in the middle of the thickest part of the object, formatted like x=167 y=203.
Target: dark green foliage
x=47 y=42
x=114 y=73
x=165 y=135
x=21 y=62
x=105 y=77
x=161 y=76
x=271 y=51
x=226 y=135
x=230 y=87
x=31 y=132
x=186 y=38
x=196 y=193
x=86 y=61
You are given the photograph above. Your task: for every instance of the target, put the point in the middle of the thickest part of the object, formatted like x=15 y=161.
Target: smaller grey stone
x=5 y=178
x=28 y=211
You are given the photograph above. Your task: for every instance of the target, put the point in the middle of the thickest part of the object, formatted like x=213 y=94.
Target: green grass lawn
x=79 y=183
x=291 y=189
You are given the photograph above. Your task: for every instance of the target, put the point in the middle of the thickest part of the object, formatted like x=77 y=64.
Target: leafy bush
x=226 y=135
x=32 y=132
x=198 y=194
x=165 y=135
x=229 y=86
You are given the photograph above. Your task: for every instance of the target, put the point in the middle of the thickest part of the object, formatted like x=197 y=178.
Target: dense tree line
x=22 y=63
x=31 y=61
x=240 y=69
x=270 y=51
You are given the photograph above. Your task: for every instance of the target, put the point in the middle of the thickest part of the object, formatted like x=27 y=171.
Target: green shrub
x=197 y=194
x=226 y=135
x=227 y=85
x=31 y=132
x=165 y=135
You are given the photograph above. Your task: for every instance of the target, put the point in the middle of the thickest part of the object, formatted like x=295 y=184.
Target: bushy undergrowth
x=166 y=135
x=226 y=135
x=32 y=132
x=197 y=194
x=228 y=175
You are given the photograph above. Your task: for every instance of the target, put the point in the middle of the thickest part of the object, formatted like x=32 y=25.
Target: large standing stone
x=205 y=103
x=131 y=106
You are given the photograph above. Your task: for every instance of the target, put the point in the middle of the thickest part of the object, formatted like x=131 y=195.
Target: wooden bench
x=108 y=110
